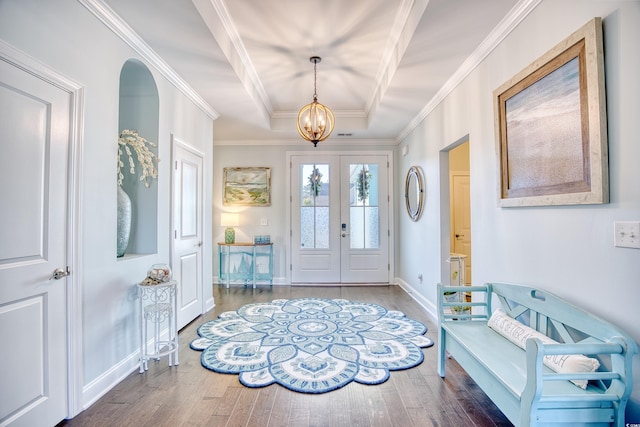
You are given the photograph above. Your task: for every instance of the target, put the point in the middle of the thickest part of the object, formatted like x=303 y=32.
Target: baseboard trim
x=209 y=305
x=97 y=388
x=426 y=305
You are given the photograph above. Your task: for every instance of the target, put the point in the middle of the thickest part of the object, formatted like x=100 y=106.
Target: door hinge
x=175 y=234
x=388 y=267
x=176 y=165
x=290 y=267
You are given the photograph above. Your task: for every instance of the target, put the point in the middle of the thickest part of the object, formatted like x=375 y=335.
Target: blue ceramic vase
x=124 y=221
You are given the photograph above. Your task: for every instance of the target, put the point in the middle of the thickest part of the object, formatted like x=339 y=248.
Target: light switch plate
x=264 y=221
x=626 y=234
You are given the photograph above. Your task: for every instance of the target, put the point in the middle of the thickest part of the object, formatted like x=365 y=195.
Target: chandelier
x=315 y=121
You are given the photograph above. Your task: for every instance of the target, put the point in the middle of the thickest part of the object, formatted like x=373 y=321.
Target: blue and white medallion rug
x=311 y=345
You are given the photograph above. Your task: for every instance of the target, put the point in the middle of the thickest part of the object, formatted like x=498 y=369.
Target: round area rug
x=311 y=345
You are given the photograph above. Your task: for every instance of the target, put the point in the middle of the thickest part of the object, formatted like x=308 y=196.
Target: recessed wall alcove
x=139 y=110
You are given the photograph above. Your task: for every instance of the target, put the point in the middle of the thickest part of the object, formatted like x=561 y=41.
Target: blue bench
x=516 y=379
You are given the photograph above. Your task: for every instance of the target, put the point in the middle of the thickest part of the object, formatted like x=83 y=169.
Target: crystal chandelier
x=315 y=121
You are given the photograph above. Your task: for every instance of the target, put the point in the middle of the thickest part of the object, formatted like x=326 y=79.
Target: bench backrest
x=553 y=316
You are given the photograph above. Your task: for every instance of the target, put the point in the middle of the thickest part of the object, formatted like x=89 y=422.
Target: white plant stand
x=158 y=307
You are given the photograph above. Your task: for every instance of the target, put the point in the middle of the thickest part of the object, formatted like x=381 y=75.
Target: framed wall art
x=246 y=186
x=551 y=126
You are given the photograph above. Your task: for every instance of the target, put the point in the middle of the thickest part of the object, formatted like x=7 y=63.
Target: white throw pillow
x=518 y=333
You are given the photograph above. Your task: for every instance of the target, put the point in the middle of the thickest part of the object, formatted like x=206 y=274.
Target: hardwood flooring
x=190 y=395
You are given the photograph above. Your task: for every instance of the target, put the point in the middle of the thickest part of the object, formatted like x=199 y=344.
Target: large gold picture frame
x=247 y=186
x=551 y=126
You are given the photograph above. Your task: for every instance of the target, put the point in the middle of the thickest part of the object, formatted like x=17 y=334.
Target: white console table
x=246 y=263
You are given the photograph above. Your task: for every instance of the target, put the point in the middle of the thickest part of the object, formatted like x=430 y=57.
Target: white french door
x=187 y=200
x=339 y=219
x=315 y=219
x=364 y=210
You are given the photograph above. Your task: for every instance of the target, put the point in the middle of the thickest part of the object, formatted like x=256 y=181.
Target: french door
x=339 y=219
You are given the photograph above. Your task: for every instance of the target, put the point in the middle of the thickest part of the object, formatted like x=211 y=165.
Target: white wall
x=567 y=250
x=68 y=38
x=274 y=156
x=258 y=156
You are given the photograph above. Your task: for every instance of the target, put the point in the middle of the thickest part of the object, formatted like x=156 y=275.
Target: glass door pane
x=315 y=188
x=364 y=206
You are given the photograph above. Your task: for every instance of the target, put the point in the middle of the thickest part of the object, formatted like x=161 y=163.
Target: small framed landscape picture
x=550 y=125
x=247 y=186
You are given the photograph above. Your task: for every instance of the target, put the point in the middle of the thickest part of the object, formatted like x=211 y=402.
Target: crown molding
x=299 y=142
x=353 y=114
x=120 y=28
x=216 y=16
x=519 y=12
x=406 y=21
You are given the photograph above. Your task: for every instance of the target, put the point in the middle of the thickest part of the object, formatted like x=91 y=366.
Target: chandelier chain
x=315 y=81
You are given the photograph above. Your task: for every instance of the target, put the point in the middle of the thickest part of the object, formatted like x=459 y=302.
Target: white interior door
x=337 y=234
x=34 y=140
x=187 y=222
x=461 y=218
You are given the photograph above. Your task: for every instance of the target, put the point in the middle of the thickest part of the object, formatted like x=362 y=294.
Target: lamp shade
x=229 y=219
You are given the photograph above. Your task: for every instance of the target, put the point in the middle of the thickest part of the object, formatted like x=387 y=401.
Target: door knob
x=459 y=236
x=59 y=273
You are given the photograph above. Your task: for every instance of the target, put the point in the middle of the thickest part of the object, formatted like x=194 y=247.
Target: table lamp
x=229 y=220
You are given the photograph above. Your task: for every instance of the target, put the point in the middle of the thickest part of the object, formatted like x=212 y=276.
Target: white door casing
x=38 y=127
x=187 y=249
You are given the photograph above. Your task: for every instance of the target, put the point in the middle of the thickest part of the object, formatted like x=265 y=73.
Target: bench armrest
x=619 y=373
x=443 y=304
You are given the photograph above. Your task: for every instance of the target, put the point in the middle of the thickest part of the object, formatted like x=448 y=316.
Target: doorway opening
x=459 y=212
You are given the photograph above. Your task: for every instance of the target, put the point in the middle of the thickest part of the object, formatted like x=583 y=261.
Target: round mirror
x=414 y=192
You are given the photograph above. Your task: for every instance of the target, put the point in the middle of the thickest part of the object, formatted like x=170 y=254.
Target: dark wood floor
x=190 y=395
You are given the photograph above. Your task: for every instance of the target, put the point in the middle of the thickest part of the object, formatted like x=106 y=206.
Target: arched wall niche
x=139 y=110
